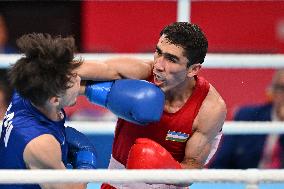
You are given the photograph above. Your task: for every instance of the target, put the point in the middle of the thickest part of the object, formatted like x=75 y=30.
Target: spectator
x=255 y=151
x=5 y=94
x=5 y=48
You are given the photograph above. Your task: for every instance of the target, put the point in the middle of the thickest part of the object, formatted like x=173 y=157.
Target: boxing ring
x=202 y=179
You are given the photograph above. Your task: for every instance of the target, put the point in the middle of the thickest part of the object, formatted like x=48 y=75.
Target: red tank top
x=172 y=131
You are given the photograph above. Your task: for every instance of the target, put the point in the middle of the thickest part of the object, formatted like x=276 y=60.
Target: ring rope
x=230 y=127
x=227 y=61
x=250 y=176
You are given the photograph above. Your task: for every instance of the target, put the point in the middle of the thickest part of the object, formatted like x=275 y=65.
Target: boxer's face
x=70 y=97
x=170 y=68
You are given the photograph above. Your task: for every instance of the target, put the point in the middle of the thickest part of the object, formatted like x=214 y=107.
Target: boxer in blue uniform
x=33 y=135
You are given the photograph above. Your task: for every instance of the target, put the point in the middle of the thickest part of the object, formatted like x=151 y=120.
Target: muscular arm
x=116 y=68
x=44 y=152
x=207 y=126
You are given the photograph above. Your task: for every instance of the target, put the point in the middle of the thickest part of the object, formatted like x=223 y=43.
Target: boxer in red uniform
x=194 y=112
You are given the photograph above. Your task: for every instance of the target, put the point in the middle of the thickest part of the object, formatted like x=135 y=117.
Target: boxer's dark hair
x=46 y=68
x=190 y=37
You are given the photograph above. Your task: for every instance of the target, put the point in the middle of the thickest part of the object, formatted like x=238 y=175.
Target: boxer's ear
x=193 y=70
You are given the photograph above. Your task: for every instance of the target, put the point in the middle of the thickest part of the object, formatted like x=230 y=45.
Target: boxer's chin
x=158 y=82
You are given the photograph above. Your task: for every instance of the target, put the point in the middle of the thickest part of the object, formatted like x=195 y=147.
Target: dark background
x=57 y=18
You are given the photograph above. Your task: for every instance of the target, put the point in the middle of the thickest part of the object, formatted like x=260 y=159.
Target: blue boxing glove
x=137 y=101
x=81 y=152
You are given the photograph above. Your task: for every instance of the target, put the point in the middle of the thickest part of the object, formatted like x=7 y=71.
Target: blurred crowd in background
x=132 y=27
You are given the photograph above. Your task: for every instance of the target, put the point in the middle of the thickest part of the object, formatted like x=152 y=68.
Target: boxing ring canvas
x=214 y=185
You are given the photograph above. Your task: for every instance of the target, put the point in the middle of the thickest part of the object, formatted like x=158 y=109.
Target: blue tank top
x=22 y=123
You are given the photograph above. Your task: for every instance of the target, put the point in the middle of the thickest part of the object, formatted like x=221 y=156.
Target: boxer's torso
x=22 y=123
x=172 y=131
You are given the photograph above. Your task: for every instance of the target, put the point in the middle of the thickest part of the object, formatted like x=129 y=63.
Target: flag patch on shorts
x=177 y=136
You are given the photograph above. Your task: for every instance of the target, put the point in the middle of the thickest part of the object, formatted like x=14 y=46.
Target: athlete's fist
x=81 y=152
x=137 y=101
x=147 y=154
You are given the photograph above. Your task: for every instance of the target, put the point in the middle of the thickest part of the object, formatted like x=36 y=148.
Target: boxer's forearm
x=116 y=68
